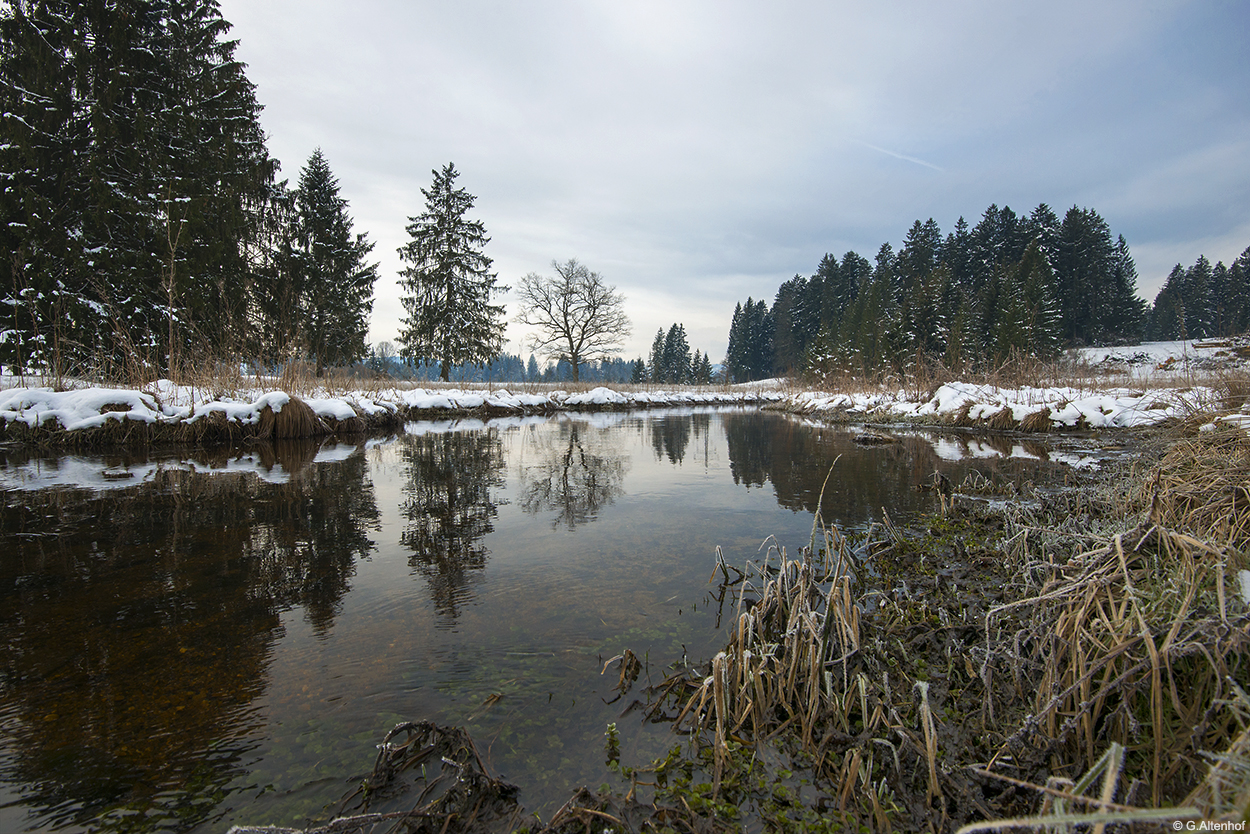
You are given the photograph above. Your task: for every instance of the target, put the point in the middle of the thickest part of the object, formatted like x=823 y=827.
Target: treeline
x=671 y=360
x=141 y=215
x=1011 y=285
x=506 y=367
x=1203 y=301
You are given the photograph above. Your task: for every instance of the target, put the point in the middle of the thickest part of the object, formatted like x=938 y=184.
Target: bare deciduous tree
x=579 y=316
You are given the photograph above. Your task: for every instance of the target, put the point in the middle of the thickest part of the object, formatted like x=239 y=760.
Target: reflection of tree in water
x=671 y=435
x=577 y=474
x=450 y=509
x=138 y=625
x=796 y=457
x=749 y=440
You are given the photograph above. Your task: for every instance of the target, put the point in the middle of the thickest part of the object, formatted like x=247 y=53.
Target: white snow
x=1069 y=408
x=1123 y=399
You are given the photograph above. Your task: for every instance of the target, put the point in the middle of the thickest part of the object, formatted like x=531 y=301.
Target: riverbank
x=165 y=413
x=1090 y=388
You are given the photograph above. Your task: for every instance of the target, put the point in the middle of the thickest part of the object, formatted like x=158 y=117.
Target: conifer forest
x=145 y=226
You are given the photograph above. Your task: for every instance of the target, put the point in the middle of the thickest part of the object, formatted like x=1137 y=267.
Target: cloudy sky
x=697 y=153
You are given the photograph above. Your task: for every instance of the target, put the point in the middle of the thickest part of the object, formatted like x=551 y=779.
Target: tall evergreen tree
x=1199 y=309
x=996 y=242
x=1237 y=294
x=1042 y=225
x=448 y=285
x=919 y=256
x=925 y=317
x=789 y=338
x=134 y=165
x=676 y=355
x=658 y=369
x=1033 y=279
x=957 y=255
x=734 y=362
x=1167 y=316
x=335 y=280
x=759 y=334
x=1126 y=313
x=1084 y=269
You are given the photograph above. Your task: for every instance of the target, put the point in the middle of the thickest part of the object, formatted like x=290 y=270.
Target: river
x=192 y=640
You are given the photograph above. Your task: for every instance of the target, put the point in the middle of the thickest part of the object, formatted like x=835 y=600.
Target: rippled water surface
x=199 y=640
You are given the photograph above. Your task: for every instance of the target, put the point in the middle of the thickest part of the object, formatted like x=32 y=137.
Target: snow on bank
x=1052 y=408
x=1168 y=362
x=168 y=403
x=1033 y=409
x=959 y=403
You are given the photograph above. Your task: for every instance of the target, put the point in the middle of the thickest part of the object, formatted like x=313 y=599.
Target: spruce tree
x=658 y=368
x=920 y=254
x=759 y=338
x=448 y=285
x=957 y=255
x=1033 y=279
x=1238 y=294
x=1167 y=316
x=735 y=354
x=1084 y=267
x=1197 y=296
x=789 y=318
x=134 y=162
x=676 y=353
x=336 y=282
x=1126 y=311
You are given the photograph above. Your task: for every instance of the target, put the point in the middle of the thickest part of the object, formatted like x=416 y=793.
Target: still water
x=188 y=642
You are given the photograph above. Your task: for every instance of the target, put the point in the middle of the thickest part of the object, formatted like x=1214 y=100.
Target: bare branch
x=579 y=317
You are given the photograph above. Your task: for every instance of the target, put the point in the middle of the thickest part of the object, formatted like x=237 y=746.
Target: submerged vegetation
x=1068 y=657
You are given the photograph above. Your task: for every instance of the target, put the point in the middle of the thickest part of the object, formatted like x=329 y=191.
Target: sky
x=699 y=153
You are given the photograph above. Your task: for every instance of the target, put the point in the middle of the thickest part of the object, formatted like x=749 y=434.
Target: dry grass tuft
x=296 y=419
x=1202 y=487
x=1037 y=421
x=1004 y=420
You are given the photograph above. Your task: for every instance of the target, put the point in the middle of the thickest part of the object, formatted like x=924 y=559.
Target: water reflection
x=797 y=457
x=138 y=624
x=671 y=434
x=449 y=507
x=175 y=641
x=575 y=471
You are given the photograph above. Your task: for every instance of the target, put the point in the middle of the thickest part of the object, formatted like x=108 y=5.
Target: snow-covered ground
x=164 y=402
x=1145 y=384
x=1118 y=387
x=1169 y=361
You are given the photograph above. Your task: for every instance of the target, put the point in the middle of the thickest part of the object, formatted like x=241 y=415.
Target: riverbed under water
x=195 y=640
